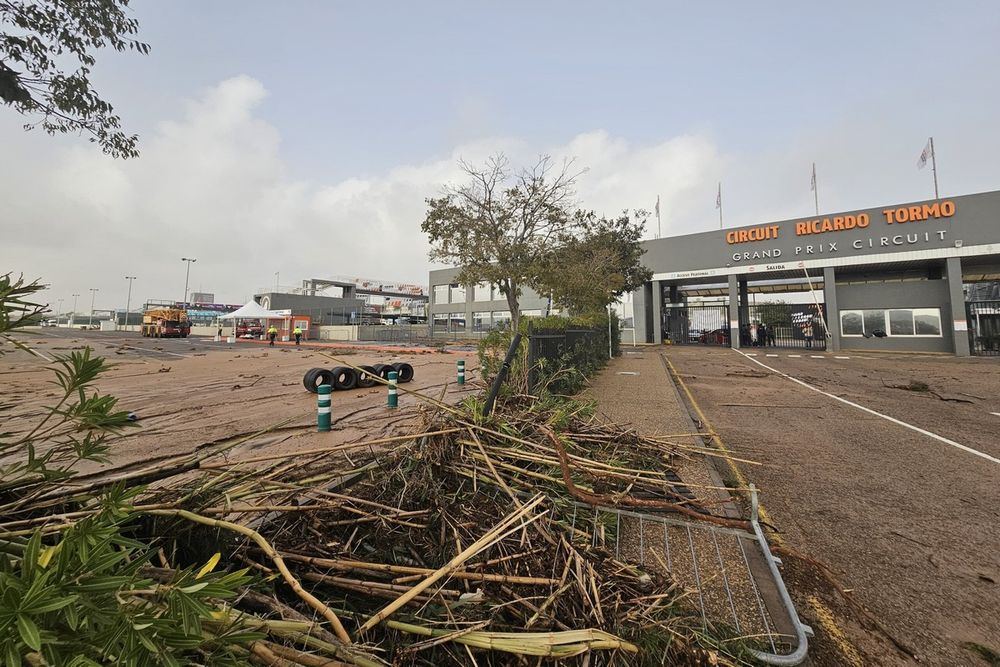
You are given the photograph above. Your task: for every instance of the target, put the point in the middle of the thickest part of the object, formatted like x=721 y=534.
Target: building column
x=640 y=301
x=734 y=310
x=830 y=309
x=658 y=312
x=959 y=326
x=744 y=312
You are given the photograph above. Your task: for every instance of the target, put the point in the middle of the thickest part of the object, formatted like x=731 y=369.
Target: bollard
x=393 y=396
x=323 y=408
x=461 y=371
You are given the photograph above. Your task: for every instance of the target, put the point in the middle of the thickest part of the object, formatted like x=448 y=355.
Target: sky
x=302 y=138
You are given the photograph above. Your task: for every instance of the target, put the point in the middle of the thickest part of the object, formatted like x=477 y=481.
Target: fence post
x=393 y=396
x=532 y=356
x=461 y=371
x=323 y=408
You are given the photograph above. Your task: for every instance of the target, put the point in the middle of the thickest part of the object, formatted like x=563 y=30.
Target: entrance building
x=902 y=277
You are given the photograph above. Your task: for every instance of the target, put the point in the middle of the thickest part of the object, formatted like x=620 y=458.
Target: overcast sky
x=303 y=137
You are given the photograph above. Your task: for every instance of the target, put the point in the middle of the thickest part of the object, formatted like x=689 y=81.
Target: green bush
x=582 y=355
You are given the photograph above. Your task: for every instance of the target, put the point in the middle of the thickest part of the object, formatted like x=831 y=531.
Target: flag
x=925 y=155
x=718 y=198
x=813 y=187
x=657 y=207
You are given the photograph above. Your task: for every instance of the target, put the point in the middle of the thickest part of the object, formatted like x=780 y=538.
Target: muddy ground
x=196 y=395
x=909 y=525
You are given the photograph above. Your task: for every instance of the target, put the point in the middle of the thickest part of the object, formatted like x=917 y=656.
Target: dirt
x=187 y=401
x=910 y=526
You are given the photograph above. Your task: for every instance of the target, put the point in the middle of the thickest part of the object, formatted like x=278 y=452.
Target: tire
x=344 y=377
x=404 y=371
x=314 y=377
x=382 y=370
x=365 y=380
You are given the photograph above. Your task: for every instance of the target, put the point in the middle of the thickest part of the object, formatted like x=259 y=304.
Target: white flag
x=813 y=186
x=925 y=155
x=657 y=207
x=718 y=198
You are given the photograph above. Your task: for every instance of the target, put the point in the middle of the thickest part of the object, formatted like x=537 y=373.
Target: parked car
x=694 y=335
x=49 y=323
x=715 y=337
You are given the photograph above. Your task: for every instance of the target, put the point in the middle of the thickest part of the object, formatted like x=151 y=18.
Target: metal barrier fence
x=575 y=348
x=983 y=318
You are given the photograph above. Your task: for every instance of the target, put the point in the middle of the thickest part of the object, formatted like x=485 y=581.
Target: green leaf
x=29 y=632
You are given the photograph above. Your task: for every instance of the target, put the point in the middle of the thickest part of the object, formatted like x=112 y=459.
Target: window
x=927 y=321
x=457 y=321
x=441 y=293
x=900 y=322
x=482 y=292
x=440 y=320
x=895 y=322
x=501 y=318
x=481 y=321
x=457 y=293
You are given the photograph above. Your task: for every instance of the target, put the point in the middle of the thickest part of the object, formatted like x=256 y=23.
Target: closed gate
x=984 y=327
x=697 y=324
x=787 y=325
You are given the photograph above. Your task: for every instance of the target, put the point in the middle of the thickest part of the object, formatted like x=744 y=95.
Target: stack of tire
x=345 y=377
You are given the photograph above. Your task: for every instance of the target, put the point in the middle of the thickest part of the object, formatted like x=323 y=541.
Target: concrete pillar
x=734 y=310
x=744 y=312
x=640 y=313
x=658 y=312
x=674 y=314
x=830 y=309
x=959 y=326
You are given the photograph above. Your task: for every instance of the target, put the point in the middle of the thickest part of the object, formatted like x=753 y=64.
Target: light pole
x=186 y=276
x=275 y=282
x=93 y=295
x=73 y=319
x=58 y=310
x=128 y=301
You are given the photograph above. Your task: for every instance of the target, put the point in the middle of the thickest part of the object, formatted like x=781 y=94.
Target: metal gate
x=702 y=324
x=787 y=325
x=984 y=327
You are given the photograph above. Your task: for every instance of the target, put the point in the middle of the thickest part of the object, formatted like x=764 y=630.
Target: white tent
x=253 y=311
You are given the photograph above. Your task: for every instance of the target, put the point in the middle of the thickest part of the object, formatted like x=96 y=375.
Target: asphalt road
x=910 y=523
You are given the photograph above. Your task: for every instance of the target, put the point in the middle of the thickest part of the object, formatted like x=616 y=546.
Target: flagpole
x=934 y=169
x=720 y=205
x=815 y=189
x=659 y=234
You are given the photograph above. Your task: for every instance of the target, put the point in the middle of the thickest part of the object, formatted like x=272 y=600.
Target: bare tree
x=502 y=225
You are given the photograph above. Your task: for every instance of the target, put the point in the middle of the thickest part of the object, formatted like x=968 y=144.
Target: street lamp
x=93 y=295
x=74 y=309
x=58 y=310
x=128 y=301
x=186 y=276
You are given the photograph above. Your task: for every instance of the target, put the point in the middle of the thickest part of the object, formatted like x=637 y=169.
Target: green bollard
x=323 y=409
x=461 y=371
x=393 y=395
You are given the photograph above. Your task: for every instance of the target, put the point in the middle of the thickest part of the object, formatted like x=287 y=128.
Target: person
x=272 y=333
x=807 y=331
x=762 y=333
x=297 y=332
x=770 y=335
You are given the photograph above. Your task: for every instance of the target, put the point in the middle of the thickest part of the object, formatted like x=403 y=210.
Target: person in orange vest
x=272 y=333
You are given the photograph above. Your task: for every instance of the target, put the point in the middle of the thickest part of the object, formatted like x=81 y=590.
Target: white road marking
x=995 y=413
x=841 y=357
x=816 y=356
x=772 y=355
x=751 y=354
x=937 y=437
x=146 y=349
x=795 y=356
x=628 y=372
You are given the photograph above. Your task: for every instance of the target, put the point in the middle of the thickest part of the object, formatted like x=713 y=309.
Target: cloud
x=213 y=184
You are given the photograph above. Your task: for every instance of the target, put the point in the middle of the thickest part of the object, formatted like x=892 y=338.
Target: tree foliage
x=47 y=52
x=500 y=226
x=522 y=230
x=598 y=265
